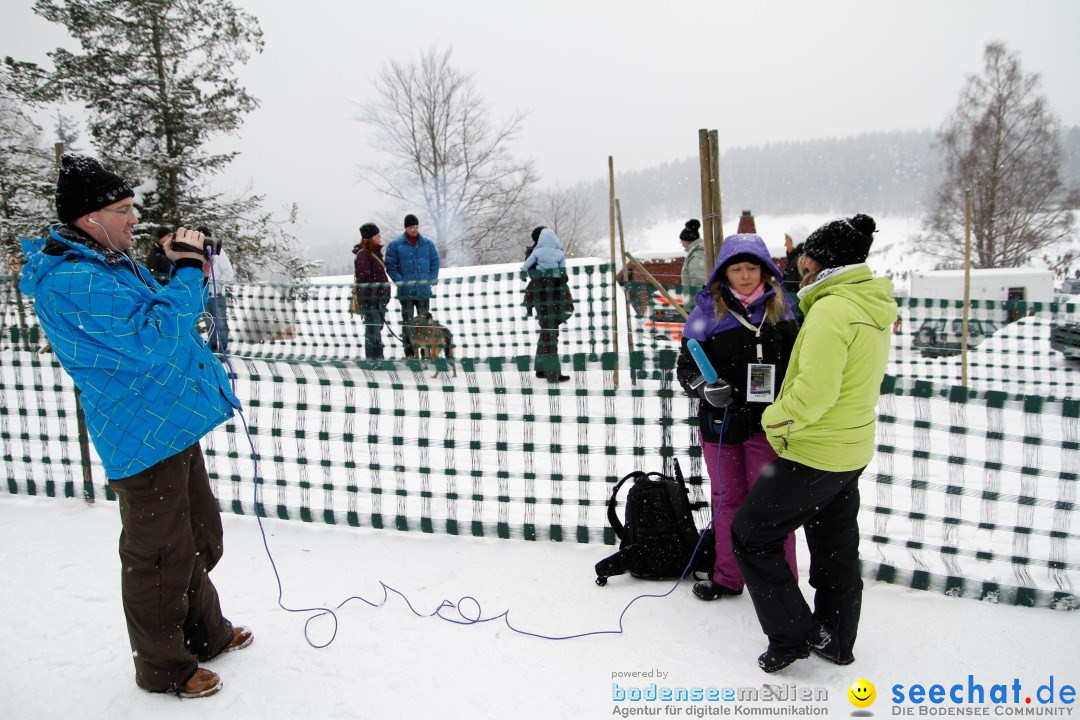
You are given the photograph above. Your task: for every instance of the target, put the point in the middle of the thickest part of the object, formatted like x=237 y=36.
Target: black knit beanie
x=85 y=186
x=411 y=220
x=369 y=230
x=690 y=231
x=841 y=242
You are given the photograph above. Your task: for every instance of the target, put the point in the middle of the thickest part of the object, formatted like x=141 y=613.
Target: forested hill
x=881 y=173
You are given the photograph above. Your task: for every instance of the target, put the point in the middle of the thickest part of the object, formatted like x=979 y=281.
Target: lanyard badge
x=760 y=376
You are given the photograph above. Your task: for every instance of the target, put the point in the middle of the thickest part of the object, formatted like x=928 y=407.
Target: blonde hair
x=774 y=308
x=807 y=277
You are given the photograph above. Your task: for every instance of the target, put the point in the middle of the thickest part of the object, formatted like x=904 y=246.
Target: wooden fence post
x=614 y=274
x=704 y=157
x=626 y=291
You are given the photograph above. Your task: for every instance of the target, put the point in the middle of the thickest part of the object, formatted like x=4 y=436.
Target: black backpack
x=660 y=534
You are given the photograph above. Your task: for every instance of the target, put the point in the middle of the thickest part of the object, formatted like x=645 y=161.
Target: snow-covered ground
x=66 y=654
x=66 y=647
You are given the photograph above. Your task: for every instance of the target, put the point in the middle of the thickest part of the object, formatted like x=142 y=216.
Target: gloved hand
x=717 y=394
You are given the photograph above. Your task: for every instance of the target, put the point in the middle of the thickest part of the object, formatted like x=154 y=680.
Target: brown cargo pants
x=171 y=540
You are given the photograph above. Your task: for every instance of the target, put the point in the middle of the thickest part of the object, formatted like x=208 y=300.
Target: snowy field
x=66 y=652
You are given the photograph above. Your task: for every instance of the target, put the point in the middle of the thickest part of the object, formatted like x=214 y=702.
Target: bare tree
x=570 y=214
x=1002 y=144
x=447 y=157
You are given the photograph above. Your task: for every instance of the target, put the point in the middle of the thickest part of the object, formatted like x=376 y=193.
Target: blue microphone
x=698 y=353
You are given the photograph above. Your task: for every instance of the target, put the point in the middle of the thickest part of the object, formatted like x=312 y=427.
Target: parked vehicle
x=940 y=337
x=1065 y=338
x=1014 y=291
x=1065 y=330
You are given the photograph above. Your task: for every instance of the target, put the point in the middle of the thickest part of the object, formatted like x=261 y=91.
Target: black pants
x=547 y=351
x=409 y=308
x=374 y=318
x=171 y=540
x=787 y=496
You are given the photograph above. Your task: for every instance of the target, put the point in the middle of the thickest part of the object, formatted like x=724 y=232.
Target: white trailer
x=997 y=285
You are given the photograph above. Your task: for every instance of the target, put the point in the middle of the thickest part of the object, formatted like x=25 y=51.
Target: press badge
x=760 y=382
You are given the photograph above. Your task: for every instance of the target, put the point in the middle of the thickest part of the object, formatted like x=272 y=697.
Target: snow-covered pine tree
x=156 y=79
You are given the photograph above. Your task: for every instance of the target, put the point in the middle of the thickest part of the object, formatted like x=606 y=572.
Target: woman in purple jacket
x=745 y=326
x=372 y=288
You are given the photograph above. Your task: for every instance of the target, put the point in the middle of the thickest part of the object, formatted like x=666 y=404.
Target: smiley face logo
x=862 y=693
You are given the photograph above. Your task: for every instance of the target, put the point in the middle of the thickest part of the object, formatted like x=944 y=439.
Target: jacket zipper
x=784 y=437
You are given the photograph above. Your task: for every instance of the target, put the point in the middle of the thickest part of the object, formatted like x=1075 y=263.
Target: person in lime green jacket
x=822 y=427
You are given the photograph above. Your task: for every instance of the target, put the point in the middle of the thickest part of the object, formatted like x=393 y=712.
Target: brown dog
x=431 y=338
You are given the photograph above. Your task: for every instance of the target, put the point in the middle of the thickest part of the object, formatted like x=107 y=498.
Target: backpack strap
x=679 y=495
x=679 y=477
x=612 y=516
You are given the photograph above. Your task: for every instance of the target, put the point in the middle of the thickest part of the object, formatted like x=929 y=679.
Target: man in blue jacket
x=412 y=262
x=151 y=389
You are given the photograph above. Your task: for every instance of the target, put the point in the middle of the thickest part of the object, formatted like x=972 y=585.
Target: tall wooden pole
x=626 y=291
x=967 y=290
x=614 y=274
x=714 y=186
x=704 y=155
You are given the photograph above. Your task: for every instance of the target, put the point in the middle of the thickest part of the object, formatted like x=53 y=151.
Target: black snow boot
x=827 y=647
x=772 y=660
x=708 y=591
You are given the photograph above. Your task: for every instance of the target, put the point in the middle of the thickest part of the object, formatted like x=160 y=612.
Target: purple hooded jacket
x=702 y=322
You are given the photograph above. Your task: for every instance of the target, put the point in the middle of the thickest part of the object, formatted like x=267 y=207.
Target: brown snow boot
x=241 y=638
x=203 y=683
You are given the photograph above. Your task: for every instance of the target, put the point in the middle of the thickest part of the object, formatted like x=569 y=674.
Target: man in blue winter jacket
x=150 y=389
x=412 y=262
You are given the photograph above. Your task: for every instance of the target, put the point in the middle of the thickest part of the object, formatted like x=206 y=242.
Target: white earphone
x=113 y=247
x=109 y=239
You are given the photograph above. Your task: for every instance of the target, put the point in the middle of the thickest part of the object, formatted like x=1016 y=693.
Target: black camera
x=208 y=245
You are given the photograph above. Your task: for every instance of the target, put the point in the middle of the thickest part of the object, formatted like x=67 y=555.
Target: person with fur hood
x=548 y=296
x=744 y=324
x=822 y=427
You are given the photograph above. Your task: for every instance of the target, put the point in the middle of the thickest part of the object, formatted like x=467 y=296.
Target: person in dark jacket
x=744 y=324
x=793 y=274
x=151 y=389
x=157 y=262
x=548 y=296
x=412 y=262
x=372 y=288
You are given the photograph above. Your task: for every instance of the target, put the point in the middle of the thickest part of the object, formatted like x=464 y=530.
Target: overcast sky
x=630 y=79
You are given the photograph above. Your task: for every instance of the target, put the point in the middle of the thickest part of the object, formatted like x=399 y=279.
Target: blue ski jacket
x=414 y=267
x=150 y=385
